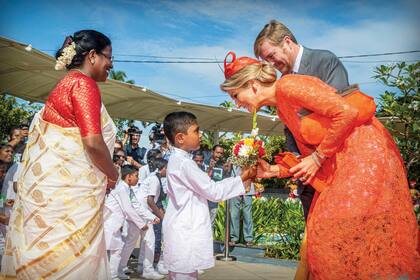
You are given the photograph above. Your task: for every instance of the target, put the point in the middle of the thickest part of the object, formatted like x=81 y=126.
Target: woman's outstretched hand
x=266 y=170
x=305 y=171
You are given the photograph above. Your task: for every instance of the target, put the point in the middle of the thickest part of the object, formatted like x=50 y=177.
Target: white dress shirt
x=144 y=172
x=296 y=65
x=186 y=227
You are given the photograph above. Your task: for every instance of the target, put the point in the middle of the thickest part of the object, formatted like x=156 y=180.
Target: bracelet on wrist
x=316 y=160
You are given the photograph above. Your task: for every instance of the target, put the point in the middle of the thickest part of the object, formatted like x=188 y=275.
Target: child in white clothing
x=149 y=192
x=186 y=227
x=118 y=209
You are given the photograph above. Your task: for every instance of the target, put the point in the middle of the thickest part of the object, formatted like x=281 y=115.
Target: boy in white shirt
x=119 y=208
x=187 y=228
x=145 y=170
x=149 y=192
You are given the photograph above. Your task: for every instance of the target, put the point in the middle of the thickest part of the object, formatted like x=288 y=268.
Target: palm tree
x=270 y=110
x=120 y=76
x=229 y=105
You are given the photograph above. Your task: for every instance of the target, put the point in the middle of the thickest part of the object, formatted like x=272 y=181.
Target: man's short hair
x=127 y=170
x=152 y=153
x=159 y=163
x=13 y=129
x=198 y=153
x=177 y=122
x=217 y=146
x=116 y=150
x=4 y=146
x=274 y=32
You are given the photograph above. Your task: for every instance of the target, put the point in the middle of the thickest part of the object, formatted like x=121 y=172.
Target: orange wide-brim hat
x=237 y=64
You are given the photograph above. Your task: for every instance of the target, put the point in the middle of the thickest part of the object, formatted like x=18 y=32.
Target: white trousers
x=183 y=276
x=114 y=261
x=147 y=252
x=133 y=234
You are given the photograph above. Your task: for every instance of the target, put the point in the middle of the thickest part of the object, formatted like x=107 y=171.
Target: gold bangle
x=315 y=158
x=320 y=156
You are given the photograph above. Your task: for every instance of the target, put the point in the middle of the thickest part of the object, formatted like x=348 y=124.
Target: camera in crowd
x=156 y=134
x=133 y=130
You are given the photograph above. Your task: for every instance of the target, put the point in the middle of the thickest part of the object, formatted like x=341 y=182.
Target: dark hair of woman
x=85 y=40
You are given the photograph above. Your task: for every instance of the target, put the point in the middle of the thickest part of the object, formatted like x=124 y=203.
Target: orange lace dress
x=75 y=102
x=362 y=226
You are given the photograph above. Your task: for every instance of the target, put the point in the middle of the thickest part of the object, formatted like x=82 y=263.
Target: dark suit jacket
x=327 y=67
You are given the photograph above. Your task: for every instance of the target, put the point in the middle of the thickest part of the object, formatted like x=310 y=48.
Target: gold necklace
x=78 y=70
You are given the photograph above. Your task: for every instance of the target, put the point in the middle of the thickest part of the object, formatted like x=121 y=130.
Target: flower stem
x=254 y=120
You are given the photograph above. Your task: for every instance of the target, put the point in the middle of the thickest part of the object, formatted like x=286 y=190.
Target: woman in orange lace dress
x=56 y=228
x=362 y=226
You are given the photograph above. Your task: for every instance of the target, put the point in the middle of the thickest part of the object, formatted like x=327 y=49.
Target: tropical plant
x=14 y=112
x=269 y=110
x=401 y=104
x=120 y=76
x=278 y=226
x=229 y=105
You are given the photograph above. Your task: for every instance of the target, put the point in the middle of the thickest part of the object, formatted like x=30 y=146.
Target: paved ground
x=243 y=271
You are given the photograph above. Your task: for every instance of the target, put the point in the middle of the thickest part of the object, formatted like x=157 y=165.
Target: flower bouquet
x=247 y=151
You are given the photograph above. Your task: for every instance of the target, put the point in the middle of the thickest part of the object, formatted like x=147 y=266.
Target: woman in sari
x=56 y=228
x=362 y=225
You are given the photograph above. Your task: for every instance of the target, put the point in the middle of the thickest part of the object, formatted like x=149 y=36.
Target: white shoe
x=200 y=271
x=127 y=270
x=152 y=275
x=123 y=276
x=162 y=269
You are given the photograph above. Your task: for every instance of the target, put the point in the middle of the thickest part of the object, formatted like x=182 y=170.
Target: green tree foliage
x=229 y=105
x=402 y=105
x=120 y=76
x=14 y=113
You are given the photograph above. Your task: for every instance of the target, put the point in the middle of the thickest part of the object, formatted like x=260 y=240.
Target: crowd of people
x=147 y=166
x=136 y=206
x=10 y=159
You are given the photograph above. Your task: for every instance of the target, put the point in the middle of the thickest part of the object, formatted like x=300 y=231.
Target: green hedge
x=278 y=226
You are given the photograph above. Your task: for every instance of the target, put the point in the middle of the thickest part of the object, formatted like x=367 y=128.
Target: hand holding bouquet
x=247 y=151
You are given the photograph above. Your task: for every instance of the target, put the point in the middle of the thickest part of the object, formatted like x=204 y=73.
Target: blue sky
x=210 y=29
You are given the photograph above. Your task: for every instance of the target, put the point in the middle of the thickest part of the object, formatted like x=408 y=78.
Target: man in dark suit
x=277 y=45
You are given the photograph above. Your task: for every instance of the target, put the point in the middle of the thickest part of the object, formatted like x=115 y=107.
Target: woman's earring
x=92 y=61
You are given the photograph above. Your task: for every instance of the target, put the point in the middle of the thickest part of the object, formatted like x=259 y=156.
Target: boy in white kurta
x=118 y=209
x=149 y=193
x=187 y=227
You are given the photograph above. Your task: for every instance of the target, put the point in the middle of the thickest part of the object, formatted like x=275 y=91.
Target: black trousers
x=306 y=195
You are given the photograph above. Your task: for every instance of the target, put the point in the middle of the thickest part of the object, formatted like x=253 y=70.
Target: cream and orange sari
x=56 y=228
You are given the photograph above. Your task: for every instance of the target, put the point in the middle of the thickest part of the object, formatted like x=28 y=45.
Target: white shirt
x=150 y=186
x=7 y=191
x=144 y=172
x=298 y=60
x=187 y=227
x=118 y=209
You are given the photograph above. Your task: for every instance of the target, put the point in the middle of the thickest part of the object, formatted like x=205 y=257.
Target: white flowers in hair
x=66 y=57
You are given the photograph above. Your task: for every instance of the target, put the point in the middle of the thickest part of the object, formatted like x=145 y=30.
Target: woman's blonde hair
x=263 y=72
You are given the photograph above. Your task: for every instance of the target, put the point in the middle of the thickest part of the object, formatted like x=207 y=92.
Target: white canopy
x=29 y=74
